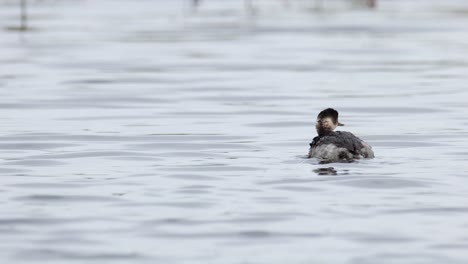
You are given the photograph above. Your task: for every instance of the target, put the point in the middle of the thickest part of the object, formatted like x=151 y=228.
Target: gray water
x=137 y=132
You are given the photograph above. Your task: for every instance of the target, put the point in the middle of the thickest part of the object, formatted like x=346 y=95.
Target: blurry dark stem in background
x=371 y=3
x=24 y=16
x=249 y=7
x=318 y=4
x=247 y=3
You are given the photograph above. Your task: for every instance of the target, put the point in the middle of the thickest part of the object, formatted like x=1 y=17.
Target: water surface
x=137 y=132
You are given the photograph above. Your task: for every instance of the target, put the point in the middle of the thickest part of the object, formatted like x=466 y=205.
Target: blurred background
x=175 y=131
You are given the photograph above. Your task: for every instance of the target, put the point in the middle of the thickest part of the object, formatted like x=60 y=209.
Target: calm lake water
x=136 y=132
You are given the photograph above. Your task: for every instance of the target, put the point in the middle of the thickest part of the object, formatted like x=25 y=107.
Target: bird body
x=339 y=145
x=333 y=146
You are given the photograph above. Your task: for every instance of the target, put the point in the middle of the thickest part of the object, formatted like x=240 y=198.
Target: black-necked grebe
x=333 y=146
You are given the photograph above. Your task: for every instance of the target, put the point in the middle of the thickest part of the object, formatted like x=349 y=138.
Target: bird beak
x=340 y=124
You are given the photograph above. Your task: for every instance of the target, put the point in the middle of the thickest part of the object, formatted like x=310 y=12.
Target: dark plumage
x=329 y=112
x=341 y=139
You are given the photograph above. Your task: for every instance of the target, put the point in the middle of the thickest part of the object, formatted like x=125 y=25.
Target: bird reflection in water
x=326 y=171
x=329 y=171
